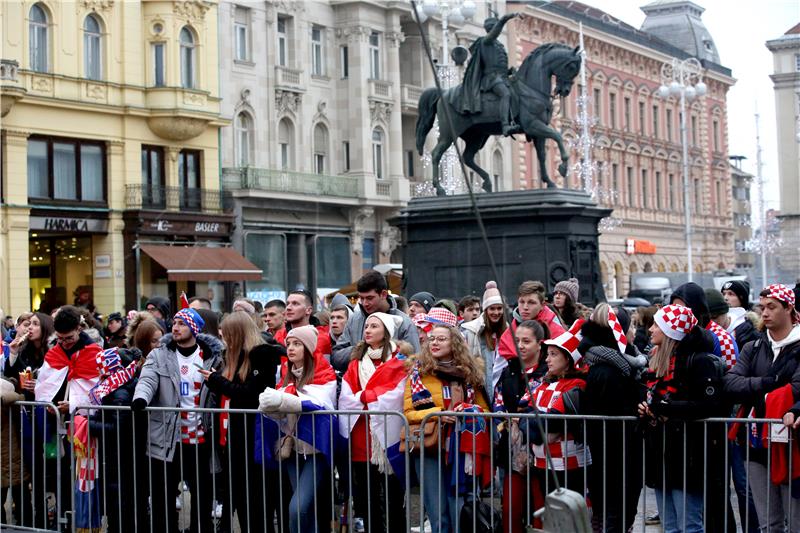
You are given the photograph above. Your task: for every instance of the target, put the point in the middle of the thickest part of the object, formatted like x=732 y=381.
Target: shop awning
x=202 y=263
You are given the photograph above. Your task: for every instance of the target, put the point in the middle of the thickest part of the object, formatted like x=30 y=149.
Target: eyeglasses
x=72 y=337
x=438 y=340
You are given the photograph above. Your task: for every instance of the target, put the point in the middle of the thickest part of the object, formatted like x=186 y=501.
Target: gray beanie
x=569 y=287
x=425 y=299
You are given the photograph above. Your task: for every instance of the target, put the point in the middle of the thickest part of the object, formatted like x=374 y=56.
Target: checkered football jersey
x=726 y=343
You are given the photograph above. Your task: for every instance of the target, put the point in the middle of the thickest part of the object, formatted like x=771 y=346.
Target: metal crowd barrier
x=100 y=477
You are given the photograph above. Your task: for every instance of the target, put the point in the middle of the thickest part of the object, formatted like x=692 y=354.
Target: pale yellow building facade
x=110 y=123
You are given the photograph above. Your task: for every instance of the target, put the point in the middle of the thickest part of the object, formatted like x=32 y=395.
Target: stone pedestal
x=546 y=235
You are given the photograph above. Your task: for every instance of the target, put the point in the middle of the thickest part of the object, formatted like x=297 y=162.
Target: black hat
x=716 y=303
x=115 y=316
x=425 y=299
x=741 y=289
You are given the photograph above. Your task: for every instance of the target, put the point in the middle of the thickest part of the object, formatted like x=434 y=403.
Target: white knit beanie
x=491 y=296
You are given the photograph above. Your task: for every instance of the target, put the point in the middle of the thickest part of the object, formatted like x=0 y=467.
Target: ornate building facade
x=110 y=120
x=322 y=98
x=636 y=140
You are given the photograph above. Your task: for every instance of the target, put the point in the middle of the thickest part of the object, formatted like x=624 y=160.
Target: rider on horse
x=487 y=71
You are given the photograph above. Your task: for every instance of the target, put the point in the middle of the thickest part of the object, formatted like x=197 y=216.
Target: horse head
x=565 y=68
x=548 y=60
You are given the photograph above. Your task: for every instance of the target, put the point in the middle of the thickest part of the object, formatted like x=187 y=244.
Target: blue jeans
x=674 y=515
x=441 y=503
x=310 y=479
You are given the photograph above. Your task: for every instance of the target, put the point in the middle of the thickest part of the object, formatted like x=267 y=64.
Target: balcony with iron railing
x=160 y=198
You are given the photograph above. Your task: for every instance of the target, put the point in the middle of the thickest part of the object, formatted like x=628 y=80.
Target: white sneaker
x=178 y=503
x=426 y=528
x=358 y=525
x=217 y=512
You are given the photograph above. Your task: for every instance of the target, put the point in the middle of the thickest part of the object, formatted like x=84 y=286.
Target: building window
x=346 y=156
x=244 y=131
x=614 y=182
x=377 y=153
x=283 y=41
x=641 y=118
x=66 y=169
x=92 y=51
x=344 y=61
x=267 y=252
x=189 y=178
x=187 y=59
x=333 y=261
x=631 y=191
x=718 y=196
x=153 y=193
x=320 y=148
x=627 y=110
x=645 y=189
x=598 y=112
x=317 y=51
x=367 y=254
x=671 y=180
x=612 y=110
x=37 y=29
x=409 y=164
x=715 y=134
x=497 y=168
x=669 y=125
x=158 y=64
x=697 y=195
x=797 y=62
x=655 y=121
x=286 y=143
x=375 y=55
x=694 y=130
x=658 y=190
x=241 y=34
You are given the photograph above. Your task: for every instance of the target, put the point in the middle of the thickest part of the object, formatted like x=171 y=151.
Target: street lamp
x=684 y=79
x=451 y=12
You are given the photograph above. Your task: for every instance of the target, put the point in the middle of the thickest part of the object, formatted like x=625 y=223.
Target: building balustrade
x=156 y=197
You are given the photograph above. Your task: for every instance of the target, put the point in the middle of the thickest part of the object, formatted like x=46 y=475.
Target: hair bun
x=491 y=285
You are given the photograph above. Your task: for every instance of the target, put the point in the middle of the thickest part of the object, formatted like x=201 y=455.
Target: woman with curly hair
x=445 y=376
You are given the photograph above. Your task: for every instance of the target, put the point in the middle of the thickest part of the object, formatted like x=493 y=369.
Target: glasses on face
x=438 y=340
x=66 y=339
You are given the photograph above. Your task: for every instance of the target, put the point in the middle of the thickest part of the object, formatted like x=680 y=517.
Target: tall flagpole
x=586 y=148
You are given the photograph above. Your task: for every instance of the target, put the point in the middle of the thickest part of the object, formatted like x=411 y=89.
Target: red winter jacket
x=778 y=403
x=546 y=316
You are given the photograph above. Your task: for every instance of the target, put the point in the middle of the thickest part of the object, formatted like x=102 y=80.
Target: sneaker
x=178 y=503
x=217 y=512
x=652 y=519
x=426 y=528
x=358 y=525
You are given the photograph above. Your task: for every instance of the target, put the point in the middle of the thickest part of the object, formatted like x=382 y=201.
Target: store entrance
x=60 y=270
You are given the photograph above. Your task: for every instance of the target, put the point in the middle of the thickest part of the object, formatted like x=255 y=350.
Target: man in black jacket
x=764 y=365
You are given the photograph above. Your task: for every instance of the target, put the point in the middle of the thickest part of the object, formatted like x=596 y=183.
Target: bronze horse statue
x=532 y=107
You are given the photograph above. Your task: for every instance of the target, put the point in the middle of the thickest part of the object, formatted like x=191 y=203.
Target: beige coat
x=12 y=473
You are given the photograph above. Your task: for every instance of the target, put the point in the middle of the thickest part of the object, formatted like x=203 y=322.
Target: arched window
x=497 y=169
x=92 y=51
x=243 y=131
x=377 y=153
x=37 y=29
x=320 y=148
x=286 y=143
x=187 y=59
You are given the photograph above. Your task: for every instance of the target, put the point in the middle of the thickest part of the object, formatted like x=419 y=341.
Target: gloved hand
x=269 y=400
x=138 y=404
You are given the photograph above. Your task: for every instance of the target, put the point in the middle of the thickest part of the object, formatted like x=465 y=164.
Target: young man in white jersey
x=179 y=444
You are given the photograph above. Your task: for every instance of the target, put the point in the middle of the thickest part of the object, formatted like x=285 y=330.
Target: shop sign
x=634 y=246
x=69 y=224
x=178 y=227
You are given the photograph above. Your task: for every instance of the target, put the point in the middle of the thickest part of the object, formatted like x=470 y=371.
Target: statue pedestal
x=544 y=234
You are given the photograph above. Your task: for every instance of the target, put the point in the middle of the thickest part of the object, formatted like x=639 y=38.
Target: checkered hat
x=781 y=292
x=569 y=341
x=676 y=321
x=438 y=315
x=616 y=327
x=191 y=318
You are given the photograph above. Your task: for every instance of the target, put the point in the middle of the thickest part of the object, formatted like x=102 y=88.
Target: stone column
x=14 y=224
x=395 y=144
x=171 y=178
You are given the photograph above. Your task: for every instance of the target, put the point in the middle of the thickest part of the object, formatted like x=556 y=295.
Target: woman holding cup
x=27 y=350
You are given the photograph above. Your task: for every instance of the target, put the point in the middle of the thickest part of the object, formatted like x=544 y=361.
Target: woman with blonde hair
x=445 y=376
x=250 y=367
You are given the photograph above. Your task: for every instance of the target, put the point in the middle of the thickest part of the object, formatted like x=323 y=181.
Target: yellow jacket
x=435 y=386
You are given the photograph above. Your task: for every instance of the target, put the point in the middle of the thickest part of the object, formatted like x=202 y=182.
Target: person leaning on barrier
x=27 y=351
x=250 y=367
x=13 y=477
x=685 y=384
x=307 y=388
x=179 y=443
x=373 y=294
x=766 y=376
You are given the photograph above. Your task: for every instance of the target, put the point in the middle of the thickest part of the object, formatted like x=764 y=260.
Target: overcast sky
x=739 y=30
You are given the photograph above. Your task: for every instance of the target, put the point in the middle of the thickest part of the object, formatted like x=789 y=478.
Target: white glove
x=269 y=400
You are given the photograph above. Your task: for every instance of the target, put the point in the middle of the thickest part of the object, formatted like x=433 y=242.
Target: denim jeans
x=441 y=503
x=673 y=513
x=310 y=479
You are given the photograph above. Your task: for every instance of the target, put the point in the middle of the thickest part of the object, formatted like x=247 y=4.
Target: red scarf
x=778 y=402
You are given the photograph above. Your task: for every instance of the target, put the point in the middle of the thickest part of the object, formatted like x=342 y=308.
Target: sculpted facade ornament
x=390 y=240
x=192 y=10
x=359 y=218
x=380 y=111
x=98 y=5
x=177 y=128
x=287 y=101
x=353 y=34
x=395 y=38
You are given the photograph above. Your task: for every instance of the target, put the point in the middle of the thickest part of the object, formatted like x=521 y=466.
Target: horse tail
x=426 y=115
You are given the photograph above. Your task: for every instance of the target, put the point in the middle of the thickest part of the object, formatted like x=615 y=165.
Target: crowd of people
x=325 y=383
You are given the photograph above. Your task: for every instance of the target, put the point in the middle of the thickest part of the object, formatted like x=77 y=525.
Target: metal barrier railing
x=118 y=470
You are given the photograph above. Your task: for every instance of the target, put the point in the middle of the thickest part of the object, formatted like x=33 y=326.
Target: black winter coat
x=698 y=394
x=744 y=333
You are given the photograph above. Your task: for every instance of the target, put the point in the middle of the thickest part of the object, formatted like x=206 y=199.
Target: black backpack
x=478 y=516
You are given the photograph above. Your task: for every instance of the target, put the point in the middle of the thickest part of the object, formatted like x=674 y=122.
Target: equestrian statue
x=493 y=100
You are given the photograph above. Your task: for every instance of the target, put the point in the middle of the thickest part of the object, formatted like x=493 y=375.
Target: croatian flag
x=317 y=429
x=383 y=392
x=81 y=372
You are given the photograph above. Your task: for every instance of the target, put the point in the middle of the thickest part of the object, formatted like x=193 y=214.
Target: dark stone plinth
x=546 y=234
